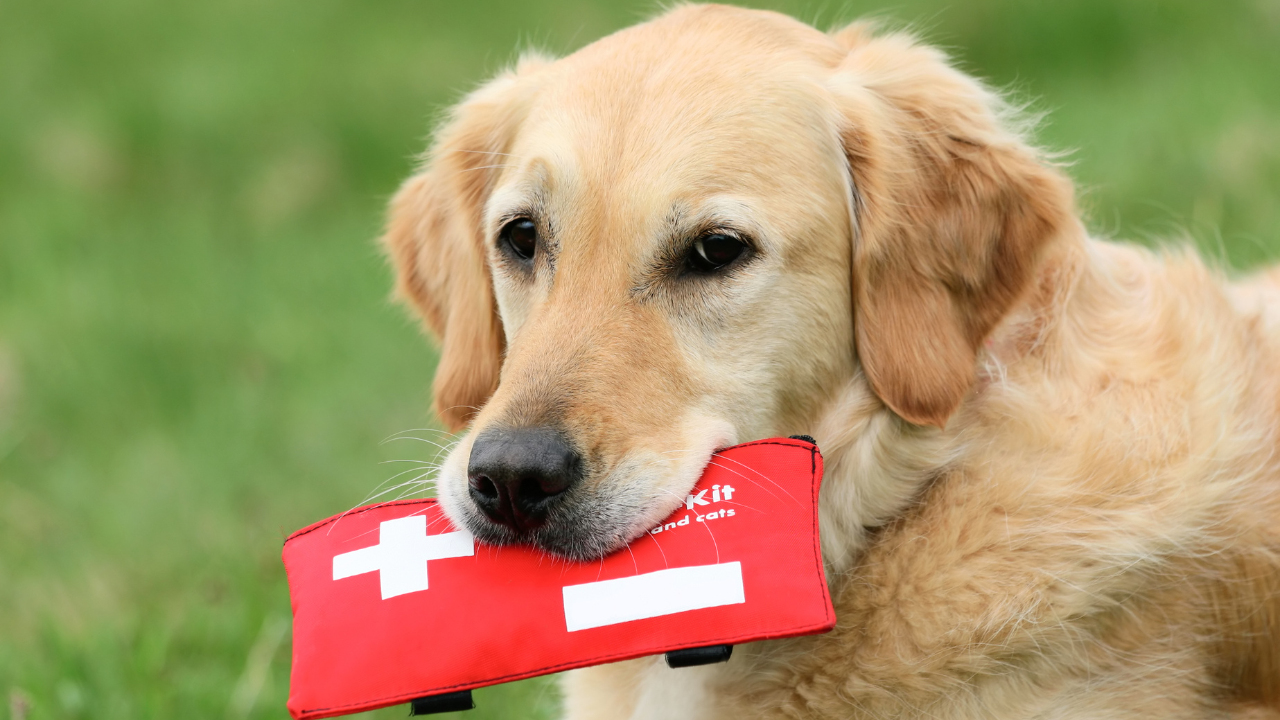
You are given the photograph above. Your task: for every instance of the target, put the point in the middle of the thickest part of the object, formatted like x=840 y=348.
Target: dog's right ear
x=953 y=215
x=436 y=241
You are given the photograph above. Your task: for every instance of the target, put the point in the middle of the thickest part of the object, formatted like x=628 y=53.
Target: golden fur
x=1052 y=483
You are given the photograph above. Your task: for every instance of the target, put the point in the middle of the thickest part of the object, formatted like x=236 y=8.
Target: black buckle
x=689 y=657
x=444 y=702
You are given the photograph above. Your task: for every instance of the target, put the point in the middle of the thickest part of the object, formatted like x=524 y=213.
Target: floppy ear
x=953 y=212
x=435 y=240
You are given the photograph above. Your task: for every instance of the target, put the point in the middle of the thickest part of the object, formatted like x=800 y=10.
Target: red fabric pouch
x=391 y=603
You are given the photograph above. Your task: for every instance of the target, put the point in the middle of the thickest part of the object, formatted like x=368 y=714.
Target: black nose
x=518 y=475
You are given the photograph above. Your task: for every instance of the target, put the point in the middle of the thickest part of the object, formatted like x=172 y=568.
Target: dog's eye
x=713 y=252
x=520 y=236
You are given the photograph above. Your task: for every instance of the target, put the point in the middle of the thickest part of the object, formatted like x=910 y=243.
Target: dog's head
x=690 y=234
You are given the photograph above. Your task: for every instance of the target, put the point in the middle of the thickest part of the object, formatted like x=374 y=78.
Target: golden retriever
x=1052 y=479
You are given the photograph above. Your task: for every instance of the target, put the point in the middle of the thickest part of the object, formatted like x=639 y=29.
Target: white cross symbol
x=401 y=555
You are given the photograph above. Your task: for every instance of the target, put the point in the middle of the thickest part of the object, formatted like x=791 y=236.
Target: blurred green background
x=197 y=354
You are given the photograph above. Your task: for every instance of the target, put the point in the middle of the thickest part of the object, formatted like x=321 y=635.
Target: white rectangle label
x=654 y=594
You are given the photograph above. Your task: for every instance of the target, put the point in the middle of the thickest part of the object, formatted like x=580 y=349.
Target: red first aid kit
x=393 y=604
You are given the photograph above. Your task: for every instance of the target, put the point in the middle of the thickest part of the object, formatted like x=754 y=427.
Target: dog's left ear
x=953 y=213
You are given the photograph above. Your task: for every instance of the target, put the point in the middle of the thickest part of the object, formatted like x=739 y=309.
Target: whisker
x=373 y=506
x=443 y=448
x=423 y=486
x=375 y=529
x=707 y=525
x=393 y=488
x=384 y=462
x=463 y=407
x=744 y=477
x=406 y=432
x=740 y=505
x=633 y=558
x=484 y=152
x=766 y=477
x=393 y=477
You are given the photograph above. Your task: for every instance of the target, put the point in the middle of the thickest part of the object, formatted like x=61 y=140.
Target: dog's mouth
x=582 y=526
x=552 y=500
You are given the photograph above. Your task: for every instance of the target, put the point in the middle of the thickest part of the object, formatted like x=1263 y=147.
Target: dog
x=1052 y=484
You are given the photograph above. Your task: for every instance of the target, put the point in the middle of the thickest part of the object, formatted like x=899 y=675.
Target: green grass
x=196 y=351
